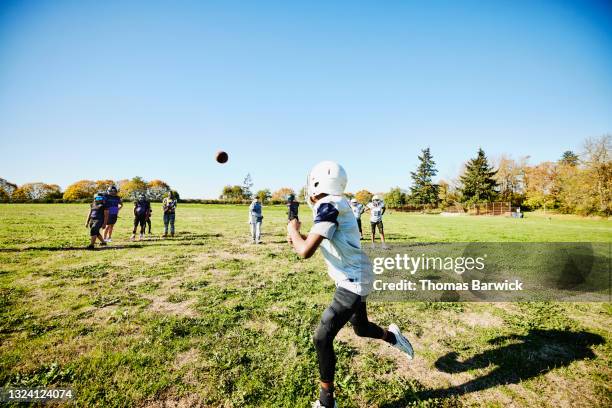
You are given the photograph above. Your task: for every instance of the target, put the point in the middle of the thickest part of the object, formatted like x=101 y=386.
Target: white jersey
x=376 y=211
x=347 y=264
x=357 y=210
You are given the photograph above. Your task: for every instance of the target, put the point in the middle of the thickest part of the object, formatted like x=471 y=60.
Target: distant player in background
x=255 y=219
x=292 y=207
x=95 y=220
x=112 y=206
x=142 y=209
x=358 y=209
x=377 y=209
x=169 y=207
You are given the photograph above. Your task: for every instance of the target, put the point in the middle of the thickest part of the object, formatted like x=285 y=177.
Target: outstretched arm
x=305 y=246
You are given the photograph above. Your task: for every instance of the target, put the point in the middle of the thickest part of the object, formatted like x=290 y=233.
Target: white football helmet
x=353 y=201
x=375 y=197
x=327 y=177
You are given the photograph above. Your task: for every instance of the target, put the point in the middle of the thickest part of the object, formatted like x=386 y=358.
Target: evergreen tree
x=423 y=191
x=569 y=158
x=478 y=180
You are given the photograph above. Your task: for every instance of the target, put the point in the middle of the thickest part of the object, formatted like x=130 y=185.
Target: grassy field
x=207 y=319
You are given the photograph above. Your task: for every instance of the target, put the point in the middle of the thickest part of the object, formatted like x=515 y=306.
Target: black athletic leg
x=362 y=326
x=333 y=319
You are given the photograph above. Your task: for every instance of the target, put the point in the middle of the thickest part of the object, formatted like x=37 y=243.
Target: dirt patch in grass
x=185 y=358
x=263 y=326
x=186 y=401
x=160 y=304
x=484 y=319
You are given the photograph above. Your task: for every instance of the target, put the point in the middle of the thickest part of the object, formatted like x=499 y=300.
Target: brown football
x=221 y=157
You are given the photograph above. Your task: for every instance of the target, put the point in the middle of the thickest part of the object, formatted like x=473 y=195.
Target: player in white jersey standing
x=335 y=232
x=358 y=209
x=377 y=210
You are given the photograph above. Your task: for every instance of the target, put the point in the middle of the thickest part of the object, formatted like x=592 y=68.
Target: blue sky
x=118 y=89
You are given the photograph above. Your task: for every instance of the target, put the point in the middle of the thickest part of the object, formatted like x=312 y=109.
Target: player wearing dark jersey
x=95 y=220
x=112 y=205
x=142 y=210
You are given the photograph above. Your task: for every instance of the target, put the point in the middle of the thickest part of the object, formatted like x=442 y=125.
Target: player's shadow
x=69 y=248
x=137 y=245
x=521 y=357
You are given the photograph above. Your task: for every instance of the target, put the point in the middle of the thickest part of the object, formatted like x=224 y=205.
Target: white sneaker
x=317 y=404
x=401 y=342
x=108 y=240
x=141 y=237
x=133 y=237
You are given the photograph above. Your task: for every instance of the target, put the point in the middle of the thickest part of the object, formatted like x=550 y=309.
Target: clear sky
x=104 y=89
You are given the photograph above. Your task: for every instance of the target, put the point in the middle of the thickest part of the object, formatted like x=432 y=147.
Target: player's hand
x=294 y=225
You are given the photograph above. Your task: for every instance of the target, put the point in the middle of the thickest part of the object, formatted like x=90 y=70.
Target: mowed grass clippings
x=208 y=319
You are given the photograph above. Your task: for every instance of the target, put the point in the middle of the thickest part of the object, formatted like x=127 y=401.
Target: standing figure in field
x=95 y=220
x=293 y=207
x=169 y=207
x=358 y=209
x=112 y=206
x=255 y=219
x=377 y=209
x=335 y=232
x=142 y=210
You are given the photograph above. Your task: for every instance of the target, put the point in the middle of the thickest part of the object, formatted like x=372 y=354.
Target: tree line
x=83 y=190
x=578 y=183
x=575 y=183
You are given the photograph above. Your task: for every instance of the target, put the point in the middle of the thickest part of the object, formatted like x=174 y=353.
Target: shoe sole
x=398 y=336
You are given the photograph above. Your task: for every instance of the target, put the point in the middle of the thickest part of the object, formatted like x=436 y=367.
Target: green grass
x=208 y=319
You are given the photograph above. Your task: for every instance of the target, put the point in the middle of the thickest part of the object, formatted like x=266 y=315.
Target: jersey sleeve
x=326 y=221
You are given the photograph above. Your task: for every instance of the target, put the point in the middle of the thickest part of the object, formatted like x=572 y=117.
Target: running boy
x=335 y=231
x=377 y=210
x=255 y=219
x=95 y=220
x=112 y=206
x=169 y=207
x=358 y=209
x=142 y=210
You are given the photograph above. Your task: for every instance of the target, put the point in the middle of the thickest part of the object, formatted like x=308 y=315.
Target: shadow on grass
x=525 y=357
x=191 y=239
